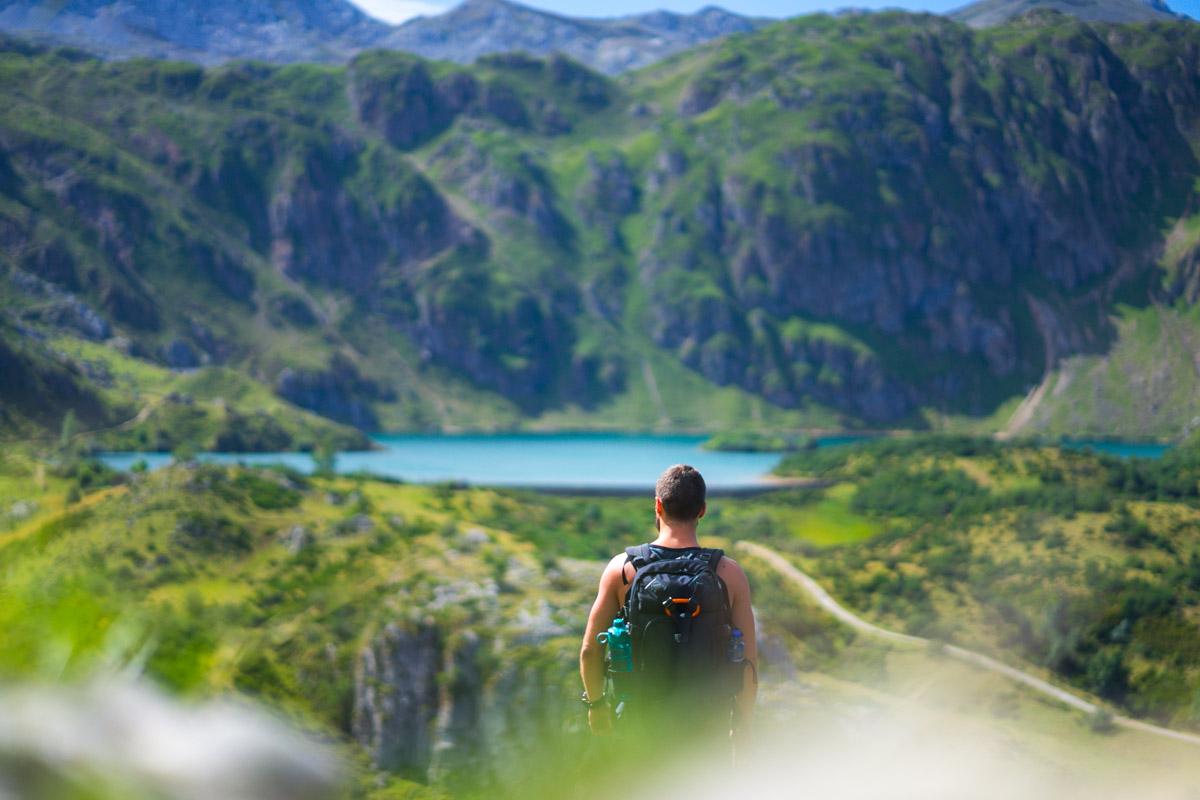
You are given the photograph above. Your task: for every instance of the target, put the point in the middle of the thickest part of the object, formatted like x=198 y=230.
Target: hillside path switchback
x=814 y=590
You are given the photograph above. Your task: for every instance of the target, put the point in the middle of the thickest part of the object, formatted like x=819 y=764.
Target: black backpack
x=680 y=626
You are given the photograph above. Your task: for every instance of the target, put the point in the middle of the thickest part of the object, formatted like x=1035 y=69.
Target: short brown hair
x=682 y=492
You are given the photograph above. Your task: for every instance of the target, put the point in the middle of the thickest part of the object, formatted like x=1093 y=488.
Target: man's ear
x=658 y=508
x=703 y=509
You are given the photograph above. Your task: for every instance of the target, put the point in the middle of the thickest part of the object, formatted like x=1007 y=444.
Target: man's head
x=680 y=494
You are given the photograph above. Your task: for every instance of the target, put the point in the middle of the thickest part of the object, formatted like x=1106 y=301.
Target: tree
x=1107 y=674
x=325 y=459
x=70 y=426
x=183 y=453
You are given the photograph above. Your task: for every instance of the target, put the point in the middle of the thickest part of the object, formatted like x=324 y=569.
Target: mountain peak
x=476 y=28
x=217 y=30
x=985 y=13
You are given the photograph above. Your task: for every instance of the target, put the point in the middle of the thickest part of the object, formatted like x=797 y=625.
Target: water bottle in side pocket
x=737 y=647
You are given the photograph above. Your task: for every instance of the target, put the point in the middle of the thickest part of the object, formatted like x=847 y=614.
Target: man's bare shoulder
x=727 y=564
x=730 y=571
x=612 y=569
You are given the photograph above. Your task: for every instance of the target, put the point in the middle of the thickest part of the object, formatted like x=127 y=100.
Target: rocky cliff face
x=427 y=703
x=396 y=697
x=913 y=209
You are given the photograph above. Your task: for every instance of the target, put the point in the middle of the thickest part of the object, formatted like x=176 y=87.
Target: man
x=679 y=504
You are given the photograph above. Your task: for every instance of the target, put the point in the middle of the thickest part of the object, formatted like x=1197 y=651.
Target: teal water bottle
x=620 y=648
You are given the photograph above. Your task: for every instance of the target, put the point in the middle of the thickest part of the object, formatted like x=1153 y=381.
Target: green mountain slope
x=863 y=221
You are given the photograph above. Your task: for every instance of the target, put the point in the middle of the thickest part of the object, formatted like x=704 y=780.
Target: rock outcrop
x=339 y=392
x=396 y=697
x=427 y=702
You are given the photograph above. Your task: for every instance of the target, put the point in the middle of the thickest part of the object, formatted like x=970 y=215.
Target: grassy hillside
x=430 y=632
x=869 y=220
x=1086 y=566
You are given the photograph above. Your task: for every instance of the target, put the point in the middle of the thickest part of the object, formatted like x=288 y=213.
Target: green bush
x=267 y=492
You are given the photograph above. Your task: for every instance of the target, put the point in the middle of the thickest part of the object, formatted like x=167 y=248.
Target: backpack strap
x=639 y=556
x=713 y=557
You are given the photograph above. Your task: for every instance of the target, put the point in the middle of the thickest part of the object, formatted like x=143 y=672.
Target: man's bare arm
x=604 y=611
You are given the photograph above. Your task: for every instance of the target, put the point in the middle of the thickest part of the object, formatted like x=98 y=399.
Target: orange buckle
x=678 y=600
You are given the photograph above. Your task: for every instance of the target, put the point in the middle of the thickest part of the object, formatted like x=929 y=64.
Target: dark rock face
x=394 y=96
x=292 y=310
x=424 y=704
x=39 y=390
x=60 y=309
x=611 y=188
x=512 y=343
x=232 y=278
x=180 y=354
x=339 y=393
x=325 y=232
x=396 y=697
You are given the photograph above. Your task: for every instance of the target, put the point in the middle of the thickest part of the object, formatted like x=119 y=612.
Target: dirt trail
x=823 y=599
x=1043 y=319
x=652 y=385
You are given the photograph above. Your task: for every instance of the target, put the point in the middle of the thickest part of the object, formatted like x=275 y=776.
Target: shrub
x=267 y=493
x=210 y=533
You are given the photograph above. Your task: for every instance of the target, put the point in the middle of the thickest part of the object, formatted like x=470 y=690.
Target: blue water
x=1121 y=449
x=582 y=461
x=605 y=461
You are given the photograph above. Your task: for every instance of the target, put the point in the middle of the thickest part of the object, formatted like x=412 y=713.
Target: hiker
x=676 y=622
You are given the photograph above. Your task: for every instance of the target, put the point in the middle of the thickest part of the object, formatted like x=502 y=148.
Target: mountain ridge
x=611 y=45
x=333 y=31
x=217 y=31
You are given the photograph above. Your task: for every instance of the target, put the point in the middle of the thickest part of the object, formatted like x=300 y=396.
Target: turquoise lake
x=1121 y=449
x=553 y=461
x=600 y=461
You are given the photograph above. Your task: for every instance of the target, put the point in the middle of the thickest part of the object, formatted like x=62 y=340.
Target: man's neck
x=677 y=535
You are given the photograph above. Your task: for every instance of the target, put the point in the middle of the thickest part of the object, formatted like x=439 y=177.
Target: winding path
x=823 y=599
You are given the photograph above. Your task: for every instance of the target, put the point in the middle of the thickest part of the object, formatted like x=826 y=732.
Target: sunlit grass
x=831 y=520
